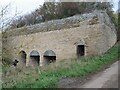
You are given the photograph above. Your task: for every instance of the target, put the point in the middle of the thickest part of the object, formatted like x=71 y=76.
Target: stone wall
x=96 y=32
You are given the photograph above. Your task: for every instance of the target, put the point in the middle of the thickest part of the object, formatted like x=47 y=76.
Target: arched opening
x=34 y=58
x=22 y=58
x=80 y=50
x=49 y=56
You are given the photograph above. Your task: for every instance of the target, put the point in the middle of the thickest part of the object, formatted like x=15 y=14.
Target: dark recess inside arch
x=34 y=58
x=49 y=56
x=80 y=50
x=22 y=57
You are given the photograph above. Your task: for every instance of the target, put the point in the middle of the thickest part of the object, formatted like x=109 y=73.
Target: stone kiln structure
x=52 y=41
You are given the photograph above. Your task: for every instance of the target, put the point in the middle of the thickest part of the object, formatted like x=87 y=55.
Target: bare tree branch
x=5 y=19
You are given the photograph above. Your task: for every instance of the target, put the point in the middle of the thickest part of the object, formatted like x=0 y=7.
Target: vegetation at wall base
x=84 y=66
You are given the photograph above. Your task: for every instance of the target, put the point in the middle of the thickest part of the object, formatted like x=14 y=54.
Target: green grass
x=49 y=77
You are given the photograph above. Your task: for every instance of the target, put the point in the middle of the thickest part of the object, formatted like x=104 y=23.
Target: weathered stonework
x=96 y=32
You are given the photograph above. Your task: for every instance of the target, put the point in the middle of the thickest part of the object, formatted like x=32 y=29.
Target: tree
x=3 y=14
x=118 y=13
x=5 y=19
x=57 y=10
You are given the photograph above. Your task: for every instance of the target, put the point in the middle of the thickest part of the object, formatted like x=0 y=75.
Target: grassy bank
x=49 y=77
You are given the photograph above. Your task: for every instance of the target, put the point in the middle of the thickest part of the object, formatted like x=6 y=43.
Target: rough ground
x=0 y=60
x=0 y=76
x=107 y=78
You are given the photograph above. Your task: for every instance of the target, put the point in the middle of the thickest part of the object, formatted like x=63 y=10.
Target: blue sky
x=115 y=4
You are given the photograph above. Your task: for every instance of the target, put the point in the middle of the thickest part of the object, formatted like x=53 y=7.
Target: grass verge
x=77 y=68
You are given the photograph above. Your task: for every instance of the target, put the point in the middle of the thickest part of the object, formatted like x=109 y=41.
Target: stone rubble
x=65 y=23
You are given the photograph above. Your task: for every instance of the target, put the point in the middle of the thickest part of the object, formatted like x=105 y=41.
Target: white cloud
x=115 y=2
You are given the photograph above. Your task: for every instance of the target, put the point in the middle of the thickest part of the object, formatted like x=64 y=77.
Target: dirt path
x=0 y=81
x=0 y=78
x=104 y=79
